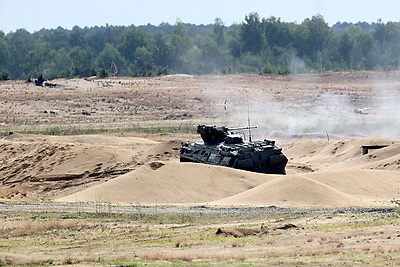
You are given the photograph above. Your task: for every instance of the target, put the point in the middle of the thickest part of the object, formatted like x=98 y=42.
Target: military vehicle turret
x=220 y=146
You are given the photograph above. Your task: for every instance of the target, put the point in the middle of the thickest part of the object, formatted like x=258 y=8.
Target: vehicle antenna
x=248 y=116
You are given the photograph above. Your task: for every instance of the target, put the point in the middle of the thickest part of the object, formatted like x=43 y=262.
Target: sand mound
x=342 y=188
x=172 y=182
x=191 y=183
x=132 y=170
x=320 y=174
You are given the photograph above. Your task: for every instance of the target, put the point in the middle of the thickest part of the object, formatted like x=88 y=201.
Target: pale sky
x=34 y=15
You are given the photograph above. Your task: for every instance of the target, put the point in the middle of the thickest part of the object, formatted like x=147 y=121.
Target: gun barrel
x=241 y=128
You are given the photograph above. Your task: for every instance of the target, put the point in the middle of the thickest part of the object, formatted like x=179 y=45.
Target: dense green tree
x=212 y=57
x=39 y=55
x=380 y=31
x=365 y=44
x=5 y=54
x=20 y=43
x=251 y=34
x=143 y=61
x=312 y=38
x=59 y=39
x=362 y=46
x=133 y=39
x=278 y=37
x=109 y=55
x=180 y=43
x=76 y=38
x=192 y=61
x=277 y=33
x=256 y=44
x=58 y=65
x=346 y=49
x=163 y=51
x=234 y=41
x=179 y=39
x=219 y=32
x=96 y=40
x=82 y=62
x=392 y=46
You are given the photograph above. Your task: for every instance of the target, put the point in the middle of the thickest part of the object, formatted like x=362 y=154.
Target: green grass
x=61 y=130
x=340 y=226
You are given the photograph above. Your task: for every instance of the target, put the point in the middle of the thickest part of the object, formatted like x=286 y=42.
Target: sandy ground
x=321 y=121
x=337 y=176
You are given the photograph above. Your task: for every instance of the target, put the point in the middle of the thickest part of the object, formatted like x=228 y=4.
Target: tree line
x=266 y=45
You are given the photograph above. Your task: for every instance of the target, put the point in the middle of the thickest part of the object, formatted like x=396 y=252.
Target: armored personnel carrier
x=220 y=146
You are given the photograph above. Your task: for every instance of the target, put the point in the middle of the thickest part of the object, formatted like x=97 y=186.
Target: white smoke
x=321 y=114
x=296 y=66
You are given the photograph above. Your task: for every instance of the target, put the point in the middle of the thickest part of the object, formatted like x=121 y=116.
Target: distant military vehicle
x=42 y=82
x=362 y=111
x=39 y=81
x=222 y=147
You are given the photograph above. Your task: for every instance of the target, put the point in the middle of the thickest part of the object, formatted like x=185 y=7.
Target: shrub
x=4 y=75
x=102 y=73
x=269 y=69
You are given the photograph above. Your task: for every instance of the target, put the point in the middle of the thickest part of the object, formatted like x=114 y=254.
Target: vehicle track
x=200 y=209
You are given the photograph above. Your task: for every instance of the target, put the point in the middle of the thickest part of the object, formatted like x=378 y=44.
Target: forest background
x=265 y=45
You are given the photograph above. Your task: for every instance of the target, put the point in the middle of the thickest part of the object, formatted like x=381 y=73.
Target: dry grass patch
x=188 y=255
x=38 y=227
x=97 y=238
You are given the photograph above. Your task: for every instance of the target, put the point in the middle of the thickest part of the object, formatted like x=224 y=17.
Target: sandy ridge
x=354 y=180
x=132 y=170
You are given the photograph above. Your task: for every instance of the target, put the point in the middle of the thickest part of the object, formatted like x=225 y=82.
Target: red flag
x=113 y=69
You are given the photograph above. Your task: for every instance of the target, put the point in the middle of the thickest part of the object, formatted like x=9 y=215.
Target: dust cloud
x=317 y=114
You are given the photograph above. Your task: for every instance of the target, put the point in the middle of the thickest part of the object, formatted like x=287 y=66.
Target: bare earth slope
x=42 y=167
